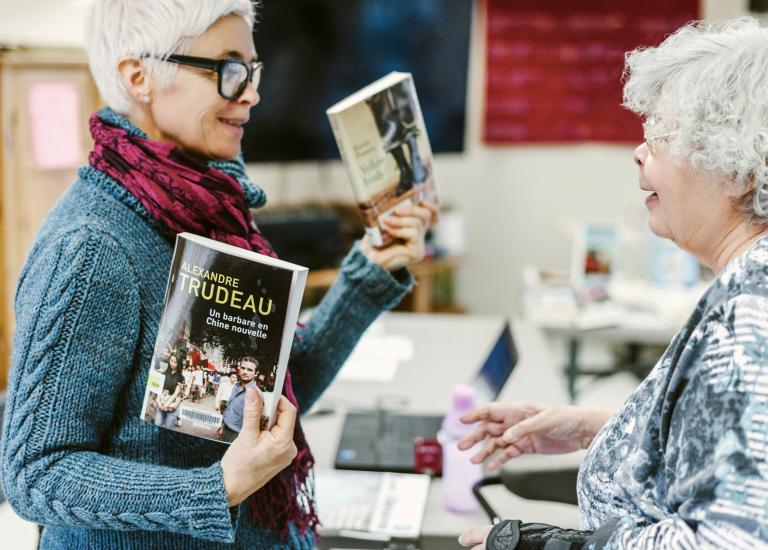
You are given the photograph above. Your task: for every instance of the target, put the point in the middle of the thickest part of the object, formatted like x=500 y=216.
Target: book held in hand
x=383 y=142
x=227 y=325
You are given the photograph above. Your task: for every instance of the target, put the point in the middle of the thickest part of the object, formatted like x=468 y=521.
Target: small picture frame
x=595 y=254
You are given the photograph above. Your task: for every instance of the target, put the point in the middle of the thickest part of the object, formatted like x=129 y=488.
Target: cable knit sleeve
x=78 y=320
x=362 y=291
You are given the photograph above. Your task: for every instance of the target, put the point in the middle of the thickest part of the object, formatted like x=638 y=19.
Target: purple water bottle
x=459 y=474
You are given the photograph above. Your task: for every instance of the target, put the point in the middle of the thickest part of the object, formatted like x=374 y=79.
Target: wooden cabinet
x=29 y=184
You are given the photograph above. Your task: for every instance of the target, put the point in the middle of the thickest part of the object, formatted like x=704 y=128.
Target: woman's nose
x=640 y=154
x=250 y=95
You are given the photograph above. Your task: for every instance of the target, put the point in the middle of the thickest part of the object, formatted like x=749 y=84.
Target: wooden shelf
x=424 y=274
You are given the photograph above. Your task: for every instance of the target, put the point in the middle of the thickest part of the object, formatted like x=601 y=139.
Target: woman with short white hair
x=180 y=78
x=684 y=463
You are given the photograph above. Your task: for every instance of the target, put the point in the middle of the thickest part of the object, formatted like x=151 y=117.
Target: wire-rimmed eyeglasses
x=652 y=140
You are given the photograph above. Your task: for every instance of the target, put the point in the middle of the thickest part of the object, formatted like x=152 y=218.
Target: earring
x=145 y=98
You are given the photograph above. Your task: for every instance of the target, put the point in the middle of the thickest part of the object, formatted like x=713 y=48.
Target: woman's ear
x=741 y=193
x=134 y=78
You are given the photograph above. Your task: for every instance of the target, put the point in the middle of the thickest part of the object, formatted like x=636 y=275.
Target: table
x=449 y=349
x=633 y=337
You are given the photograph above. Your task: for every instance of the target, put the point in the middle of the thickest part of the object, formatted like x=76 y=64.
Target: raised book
x=227 y=325
x=383 y=142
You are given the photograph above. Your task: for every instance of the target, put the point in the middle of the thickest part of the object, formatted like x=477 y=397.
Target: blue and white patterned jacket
x=683 y=463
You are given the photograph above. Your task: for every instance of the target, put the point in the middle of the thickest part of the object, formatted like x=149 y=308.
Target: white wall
x=517 y=202
x=42 y=22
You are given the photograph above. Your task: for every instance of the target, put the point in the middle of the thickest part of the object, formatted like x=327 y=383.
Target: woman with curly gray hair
x=684 y=463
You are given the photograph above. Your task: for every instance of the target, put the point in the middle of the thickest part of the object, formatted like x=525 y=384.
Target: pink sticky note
x=55 y=125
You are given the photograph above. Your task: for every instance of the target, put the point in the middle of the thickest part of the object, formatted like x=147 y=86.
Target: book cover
x=383 y=142
x=227 y=324
x=595 y=250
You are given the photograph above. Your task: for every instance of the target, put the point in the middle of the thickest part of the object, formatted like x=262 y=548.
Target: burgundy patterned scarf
x=185 y=194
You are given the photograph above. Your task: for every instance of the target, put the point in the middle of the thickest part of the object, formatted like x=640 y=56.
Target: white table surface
x=449 y=349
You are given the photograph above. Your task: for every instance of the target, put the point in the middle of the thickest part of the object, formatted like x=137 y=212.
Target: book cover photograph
x=227 y=325
x=383 y=142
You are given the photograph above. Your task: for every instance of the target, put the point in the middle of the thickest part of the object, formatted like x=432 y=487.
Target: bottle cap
x=463 y=402
x=463 y=398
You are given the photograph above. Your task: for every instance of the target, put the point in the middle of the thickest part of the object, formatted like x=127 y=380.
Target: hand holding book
x=407 y=226
x=257 y=455
x=227 y=325
x=383 y=142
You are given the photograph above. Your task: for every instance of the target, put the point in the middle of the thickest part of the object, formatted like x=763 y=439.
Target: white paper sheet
x=55 y=125
x=376 y=358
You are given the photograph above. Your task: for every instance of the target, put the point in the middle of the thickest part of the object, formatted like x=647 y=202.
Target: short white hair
x=708 y=82
x=121 y=28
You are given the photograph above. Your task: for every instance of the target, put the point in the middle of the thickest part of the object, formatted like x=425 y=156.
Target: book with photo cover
x=383 y=142
x=228 y=324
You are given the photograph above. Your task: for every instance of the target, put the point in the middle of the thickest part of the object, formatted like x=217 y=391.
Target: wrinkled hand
x=256 y=456
x=475 y=537
x=408 y=225
x=515 y=429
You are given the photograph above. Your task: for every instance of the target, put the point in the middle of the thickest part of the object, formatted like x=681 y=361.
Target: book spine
x=358 y=188
x=298 y=282
x=427 y=192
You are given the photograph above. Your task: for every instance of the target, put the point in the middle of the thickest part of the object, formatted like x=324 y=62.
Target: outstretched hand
x=510 y=430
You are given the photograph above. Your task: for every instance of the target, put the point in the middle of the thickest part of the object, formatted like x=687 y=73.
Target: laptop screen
x=496 y=368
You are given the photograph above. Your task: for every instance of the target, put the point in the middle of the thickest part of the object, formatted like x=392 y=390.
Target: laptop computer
x=383 y=440
x=373 y=506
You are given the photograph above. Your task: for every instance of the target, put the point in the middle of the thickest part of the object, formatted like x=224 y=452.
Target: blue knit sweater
x=76 y=456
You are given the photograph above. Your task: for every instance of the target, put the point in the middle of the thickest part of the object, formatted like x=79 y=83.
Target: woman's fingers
x=424 y=214
x=410 y=234
x=404 y=221
x=286 y=418
x=475 y=536
x=476 y=415
x=434 y=212
x=493 y=429
x=507 y=453
x=524 y=428
x=252 y=409
x=488 y=449
x=475 y=436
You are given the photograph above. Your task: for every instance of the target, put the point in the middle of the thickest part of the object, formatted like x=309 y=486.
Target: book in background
x=228 y=323
x=595 y=252
x=383 y=142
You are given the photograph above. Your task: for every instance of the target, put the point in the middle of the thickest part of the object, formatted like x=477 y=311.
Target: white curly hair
x=709 y=83
x=116 y=29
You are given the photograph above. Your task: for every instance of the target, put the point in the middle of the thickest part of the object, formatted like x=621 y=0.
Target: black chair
x=547 y=485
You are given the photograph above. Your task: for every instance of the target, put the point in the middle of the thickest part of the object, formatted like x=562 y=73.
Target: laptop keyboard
x=382 y=441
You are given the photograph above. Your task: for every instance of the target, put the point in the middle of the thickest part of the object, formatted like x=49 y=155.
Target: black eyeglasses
x=234 y=75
